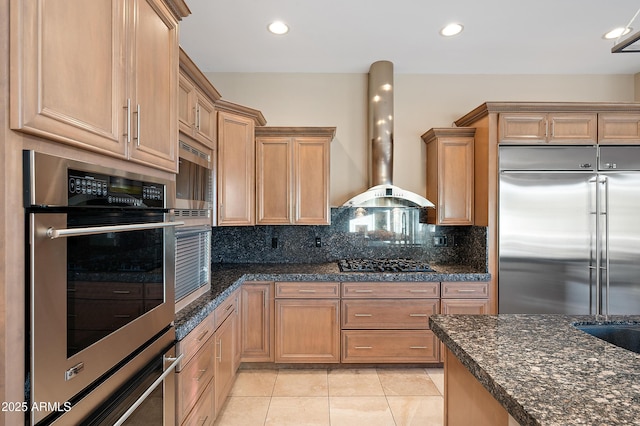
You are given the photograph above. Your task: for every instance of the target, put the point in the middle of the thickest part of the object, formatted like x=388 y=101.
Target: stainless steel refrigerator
x=569 y=229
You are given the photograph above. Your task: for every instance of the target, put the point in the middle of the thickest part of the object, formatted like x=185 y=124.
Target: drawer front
x=389 y=290
x=193 y=341
x=203 y=413
x=229 y=305
x=307 y=290
x=388 y=314
x=463 y=290
x=389 y=346
x=194 y=378
x=465 y=306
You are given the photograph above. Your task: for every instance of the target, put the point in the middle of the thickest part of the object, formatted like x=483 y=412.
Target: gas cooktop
x=383 y=265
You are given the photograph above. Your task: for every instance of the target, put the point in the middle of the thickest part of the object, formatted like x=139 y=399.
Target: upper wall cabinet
x=292 y=175
x=450 y=170
x=196 y=97
x=236 y=163
x=100 y=75
x=560 y=128
x=619 y=128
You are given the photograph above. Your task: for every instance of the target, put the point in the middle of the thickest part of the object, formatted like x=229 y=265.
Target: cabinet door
x=522 y=128
x=186 y=109
x=205 y=120
x=224 y=371
x=308 y=330
x=154 y=85
x=311 y=185
x=573 y=128
x=273 y=180
x=66 y=85
x=236 y=186
x=618 y=128
x=257 y=322
x=455 y=181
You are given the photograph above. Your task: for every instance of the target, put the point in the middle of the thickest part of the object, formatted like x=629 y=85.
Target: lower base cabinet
x=307 y=323
x=207 y=372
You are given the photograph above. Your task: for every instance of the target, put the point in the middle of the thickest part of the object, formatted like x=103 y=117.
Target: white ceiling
x=346 y=36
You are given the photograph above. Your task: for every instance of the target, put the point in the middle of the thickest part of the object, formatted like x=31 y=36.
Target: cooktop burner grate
x=383 y=265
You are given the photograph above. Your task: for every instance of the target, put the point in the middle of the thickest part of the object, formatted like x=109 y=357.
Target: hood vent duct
x=382 y=192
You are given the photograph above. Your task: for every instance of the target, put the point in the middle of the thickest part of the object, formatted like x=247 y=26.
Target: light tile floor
x=368 y=396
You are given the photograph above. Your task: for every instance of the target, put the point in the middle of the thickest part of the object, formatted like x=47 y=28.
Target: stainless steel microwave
x=195 y=184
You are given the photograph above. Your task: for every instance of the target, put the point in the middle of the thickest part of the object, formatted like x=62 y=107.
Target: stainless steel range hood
x=382 y=192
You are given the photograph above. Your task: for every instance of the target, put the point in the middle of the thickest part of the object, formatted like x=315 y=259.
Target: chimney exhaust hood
x=382 y=192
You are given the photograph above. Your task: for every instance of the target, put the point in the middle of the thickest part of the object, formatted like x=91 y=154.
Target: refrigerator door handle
x=598 y=241
x=605 y=181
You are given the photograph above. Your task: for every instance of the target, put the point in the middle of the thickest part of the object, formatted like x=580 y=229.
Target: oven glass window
x=112 y=278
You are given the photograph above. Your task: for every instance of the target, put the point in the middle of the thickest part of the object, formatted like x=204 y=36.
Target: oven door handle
x=54 y=233
x=151 y=388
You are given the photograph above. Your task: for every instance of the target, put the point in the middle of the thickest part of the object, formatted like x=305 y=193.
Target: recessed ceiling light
x=451 y=30
x=278 y=27
x=617 y=32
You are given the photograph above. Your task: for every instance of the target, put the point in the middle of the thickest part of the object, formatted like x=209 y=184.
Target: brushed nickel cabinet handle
x=202 y=373
x=466 y=290
x=364 y=291
x=201 y=336
x=417 y=347
x=418 y=290
x=363 y=315
x=418 y=315
x=364 y=347
x=302 y=290
x=138 y=129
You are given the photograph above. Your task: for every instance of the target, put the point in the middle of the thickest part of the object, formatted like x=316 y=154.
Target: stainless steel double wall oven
x=101 y=253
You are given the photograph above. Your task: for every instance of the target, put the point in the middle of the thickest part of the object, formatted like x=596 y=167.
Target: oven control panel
x=95 y=189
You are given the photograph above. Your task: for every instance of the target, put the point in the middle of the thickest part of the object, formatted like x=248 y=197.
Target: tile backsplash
x=353 y=233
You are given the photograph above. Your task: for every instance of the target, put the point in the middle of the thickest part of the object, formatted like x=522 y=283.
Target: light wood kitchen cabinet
x=114 y=92
x=196 y=371
x=257 y=319
x=236 y=163
x=388 y=322
x=207 y=371
x=307 y=322
x=292 y=175
x=224 y=365
x=465 y=298
x=196 y=97
x=617 y=128
x=557 y=127
x=450 y=172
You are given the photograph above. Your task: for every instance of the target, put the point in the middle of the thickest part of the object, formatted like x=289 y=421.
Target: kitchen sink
x=626 y=336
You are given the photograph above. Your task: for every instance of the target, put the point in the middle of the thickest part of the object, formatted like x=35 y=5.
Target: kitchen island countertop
x=543 y=370
x=227 y=277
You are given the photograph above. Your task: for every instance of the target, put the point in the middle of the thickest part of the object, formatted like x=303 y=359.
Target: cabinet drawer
x=203 y=413
x=389 y=346
x=390 y=290
x=388 y=314
x=195 y=339
x=462 y=290
x=465 y=306
x=308 y=290
x=194 y=378
x=225 y=309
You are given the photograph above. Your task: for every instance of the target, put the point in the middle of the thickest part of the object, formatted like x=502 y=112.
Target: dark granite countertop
x=543 y=370
x=227 y=277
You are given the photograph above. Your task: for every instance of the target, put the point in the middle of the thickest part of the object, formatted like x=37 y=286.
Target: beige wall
x=421 y=102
